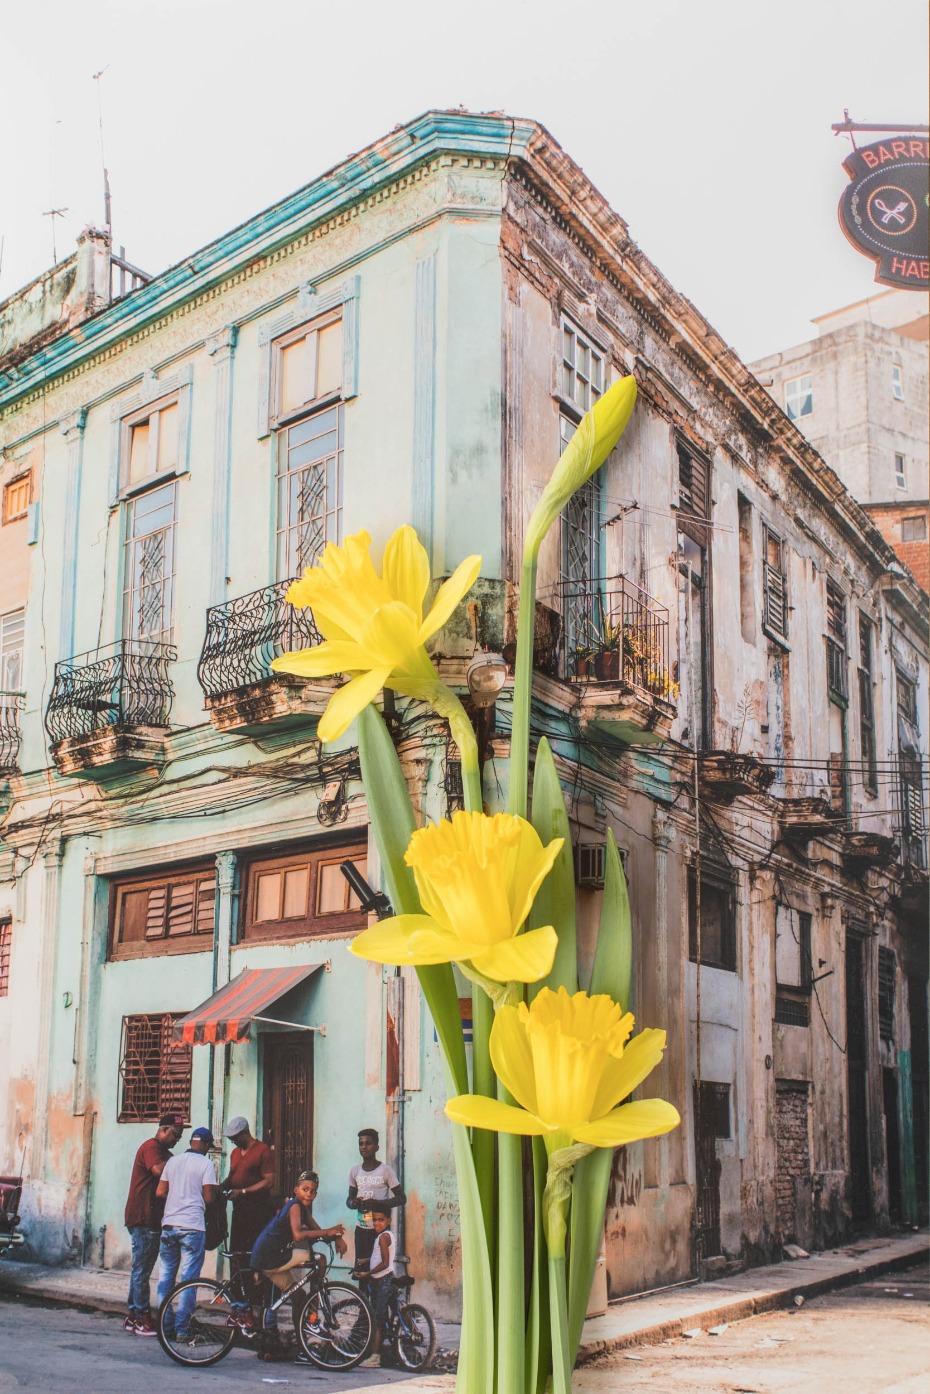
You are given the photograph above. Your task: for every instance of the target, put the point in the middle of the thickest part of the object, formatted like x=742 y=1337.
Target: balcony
x=805 y=818
x=243 y=636
x=614 y=650
x=724 y=775
x=862 y=850
x=11 y=704
x=109 y=709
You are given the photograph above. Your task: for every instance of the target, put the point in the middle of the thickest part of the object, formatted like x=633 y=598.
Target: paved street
x=58 y=1349
x=865 y=1338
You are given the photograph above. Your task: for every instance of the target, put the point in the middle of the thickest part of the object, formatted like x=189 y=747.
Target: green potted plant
x=582 y=660
x=608 y=645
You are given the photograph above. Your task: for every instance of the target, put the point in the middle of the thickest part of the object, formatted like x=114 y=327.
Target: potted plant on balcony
x=607 y=646
x=582 y=660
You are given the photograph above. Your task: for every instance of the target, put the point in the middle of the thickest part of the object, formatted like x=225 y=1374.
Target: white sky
x=706 y=123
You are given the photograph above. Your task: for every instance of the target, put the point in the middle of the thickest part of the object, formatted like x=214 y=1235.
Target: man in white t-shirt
x=187 y=1186
x=373 y=1188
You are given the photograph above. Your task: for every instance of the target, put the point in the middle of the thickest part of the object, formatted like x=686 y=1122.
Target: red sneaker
x=130 y=1325
x=144 y=1327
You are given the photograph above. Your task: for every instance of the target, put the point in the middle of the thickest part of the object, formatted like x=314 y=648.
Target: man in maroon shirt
x=143 y=1219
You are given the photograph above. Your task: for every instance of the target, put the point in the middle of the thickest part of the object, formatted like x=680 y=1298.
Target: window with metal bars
x=836 y=637
x=775 y=585
x=693 y=482
x=163 y=914
x=6 y=949
x=867 y=736
x=792 y=1008
x=583 y=371
x=309 y=490
x=149 y=564
x=887 y=972
x=12 y=633
x=154 y=1074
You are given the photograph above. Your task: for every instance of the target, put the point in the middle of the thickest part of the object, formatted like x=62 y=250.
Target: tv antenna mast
x=54 y=213
x=103 y=159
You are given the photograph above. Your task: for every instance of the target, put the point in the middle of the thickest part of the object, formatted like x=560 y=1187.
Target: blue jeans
x=181 y=1256
x=144 y=1253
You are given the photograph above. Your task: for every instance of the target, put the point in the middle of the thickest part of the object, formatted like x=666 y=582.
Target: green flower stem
x=483 y=1082
x=523 y=687
x=538 y=1346
x=511 y=1333
x=558 y=1315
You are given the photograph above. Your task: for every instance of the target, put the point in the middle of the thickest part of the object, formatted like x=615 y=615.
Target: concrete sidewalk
x=633 y=1321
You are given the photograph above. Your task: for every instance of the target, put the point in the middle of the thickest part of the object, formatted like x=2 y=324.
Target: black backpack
x=214 y=1215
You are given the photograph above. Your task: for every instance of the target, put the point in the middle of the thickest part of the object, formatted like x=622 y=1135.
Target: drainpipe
x=222 y=944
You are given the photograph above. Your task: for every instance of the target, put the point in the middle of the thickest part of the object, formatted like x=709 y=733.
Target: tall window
x=887 y=976
x=17 y=496
x=306 y=385
x=867 y=741
x=694 y=636
x=717 y=921
x=582 y=368
x=151 y=442
x=900 y=471
x=6 y=947
x=579 y=563
x=799 y=397
x=775 y=611
x=897 y=382
x=12 y=629
x=154 y=1074
x=837 y=676
x=149 y=564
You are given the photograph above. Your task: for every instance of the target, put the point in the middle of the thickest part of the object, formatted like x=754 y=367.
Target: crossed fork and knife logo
x=898 y=214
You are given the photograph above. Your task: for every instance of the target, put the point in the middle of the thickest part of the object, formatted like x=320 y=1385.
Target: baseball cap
x=235 y=1126
x=172 y=1120
x=204 y=1135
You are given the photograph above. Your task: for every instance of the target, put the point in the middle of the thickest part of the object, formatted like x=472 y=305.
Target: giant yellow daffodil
x=569 y=1062
x=477 y=876
x=374 y=628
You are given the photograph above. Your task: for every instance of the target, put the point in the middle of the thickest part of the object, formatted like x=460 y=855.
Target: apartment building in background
x=731 y=667
x=860 y=392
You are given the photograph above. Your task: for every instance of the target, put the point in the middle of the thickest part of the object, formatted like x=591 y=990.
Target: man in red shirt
x=143 y=1220
x=248 y=1185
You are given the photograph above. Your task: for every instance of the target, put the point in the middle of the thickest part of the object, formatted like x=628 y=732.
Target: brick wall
x=793 y=1157
x=888 y=519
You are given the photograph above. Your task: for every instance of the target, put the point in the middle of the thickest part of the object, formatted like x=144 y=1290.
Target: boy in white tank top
x=380 y=1275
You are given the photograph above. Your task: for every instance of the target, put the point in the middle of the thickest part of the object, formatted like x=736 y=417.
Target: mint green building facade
x=409 y=339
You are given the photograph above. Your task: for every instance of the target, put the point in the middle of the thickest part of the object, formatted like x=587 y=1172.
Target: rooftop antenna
x=54 y=213
x=103 y=159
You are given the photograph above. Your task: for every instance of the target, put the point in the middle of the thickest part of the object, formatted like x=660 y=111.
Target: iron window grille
x=775 y=585
x=453 y=787
x=12 y=633
x=11 y=704
x=122 y=684
x=792 y=1008
x=836 y=637
x=590 y=863
x=149 y=564
x=244 y=636
x=6 y=948
x=310 y=454
x=154 y=1074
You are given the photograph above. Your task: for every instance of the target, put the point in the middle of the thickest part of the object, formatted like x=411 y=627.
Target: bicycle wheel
x=416 y=1337
x=195 y=1325
x=335 y=1327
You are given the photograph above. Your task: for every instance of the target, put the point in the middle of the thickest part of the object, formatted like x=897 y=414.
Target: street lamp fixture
x=486 y=675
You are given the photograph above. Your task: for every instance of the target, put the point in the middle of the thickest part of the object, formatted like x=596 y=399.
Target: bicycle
x=198 y=1322
x=408 y=1327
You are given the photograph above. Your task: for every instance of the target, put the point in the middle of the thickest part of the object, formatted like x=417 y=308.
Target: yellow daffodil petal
x=345 y=705
x=629 y=1123
x=476 y=1111
x=623 y=1073
x=324 y=660
x=598 y=433
x=461 y=867
x=448 y=596
x=405 y=570
x=523 y=959
x=512 y=1057
x=530 y=865
x=405 y=939
x=389 y=635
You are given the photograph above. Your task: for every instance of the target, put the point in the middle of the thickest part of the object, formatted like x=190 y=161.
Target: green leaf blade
x=555 y=899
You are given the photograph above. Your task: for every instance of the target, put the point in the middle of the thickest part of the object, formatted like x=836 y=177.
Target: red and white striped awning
x=229 y=1013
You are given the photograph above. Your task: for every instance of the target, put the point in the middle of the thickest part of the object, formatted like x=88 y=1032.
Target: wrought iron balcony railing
x=245 y=634
x=614 y=631
x=122 y=684
x=11 y=704
x=912 y=812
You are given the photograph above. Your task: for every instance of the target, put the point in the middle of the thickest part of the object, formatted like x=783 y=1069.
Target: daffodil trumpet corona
x=476 y=875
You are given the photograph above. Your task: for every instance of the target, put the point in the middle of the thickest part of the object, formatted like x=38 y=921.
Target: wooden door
x=288 y=1105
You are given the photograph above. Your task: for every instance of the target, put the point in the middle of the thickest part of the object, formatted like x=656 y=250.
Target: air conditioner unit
x=589 y=863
